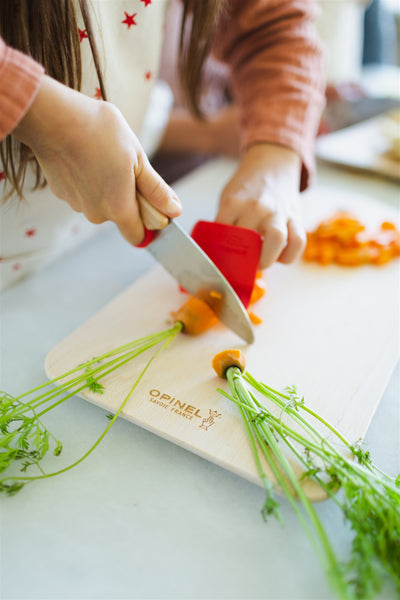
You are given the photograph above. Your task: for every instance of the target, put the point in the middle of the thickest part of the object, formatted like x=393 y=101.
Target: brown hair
x=47 y=30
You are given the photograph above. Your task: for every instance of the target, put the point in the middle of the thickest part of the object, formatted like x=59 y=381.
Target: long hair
x=47 y=30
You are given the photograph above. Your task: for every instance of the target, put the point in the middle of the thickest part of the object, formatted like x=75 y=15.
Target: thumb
x=156 y=191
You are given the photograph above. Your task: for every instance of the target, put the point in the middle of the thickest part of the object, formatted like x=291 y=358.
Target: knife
x=192 y=268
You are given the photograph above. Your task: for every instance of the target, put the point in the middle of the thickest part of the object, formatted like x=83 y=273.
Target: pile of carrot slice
x=344 y=240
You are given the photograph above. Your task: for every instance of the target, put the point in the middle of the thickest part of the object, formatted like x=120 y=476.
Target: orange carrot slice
x=226 y=359
x=387 y=225
x=258 y=290
x=195 y=315
x=342 y=239
x=255 y=319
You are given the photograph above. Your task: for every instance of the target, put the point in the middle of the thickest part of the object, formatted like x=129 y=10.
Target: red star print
x=16 y=267
x=147 y=75
x=146 y=2
x=2 y=176
x=129 y=19
x=82 y=34
x=30 y=232
x=75 y=229
x=97 y=94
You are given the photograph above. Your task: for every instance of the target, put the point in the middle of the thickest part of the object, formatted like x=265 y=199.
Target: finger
x=133 y=232
x=254 y=216
x=295 y=244
x=122 y=208
x=156 y=191
x=228 y=211
x=127 y=218
x=275 y=240
x=94 y=216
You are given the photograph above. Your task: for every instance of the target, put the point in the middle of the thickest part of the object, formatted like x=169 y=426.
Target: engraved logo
x=210 y=420
x=183 y=409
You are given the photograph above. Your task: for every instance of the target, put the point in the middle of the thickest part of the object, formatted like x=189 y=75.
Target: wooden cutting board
x=363 y=147
x=333 y=332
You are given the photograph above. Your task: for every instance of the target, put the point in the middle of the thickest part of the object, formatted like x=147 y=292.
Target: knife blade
x=179 y=254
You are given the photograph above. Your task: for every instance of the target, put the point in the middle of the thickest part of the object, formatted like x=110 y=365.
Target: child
x=86 y=148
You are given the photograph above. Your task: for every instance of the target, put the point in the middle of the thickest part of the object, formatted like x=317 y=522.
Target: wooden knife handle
x=151 y=217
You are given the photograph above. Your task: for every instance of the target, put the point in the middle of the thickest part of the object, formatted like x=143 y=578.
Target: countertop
x=142 y=518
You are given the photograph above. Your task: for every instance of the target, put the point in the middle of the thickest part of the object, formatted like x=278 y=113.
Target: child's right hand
x=92 y=159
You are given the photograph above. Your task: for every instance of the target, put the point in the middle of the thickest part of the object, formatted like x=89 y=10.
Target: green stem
x=118 y=412
x=263 y=387
x=98 y=372
x=97 y=359
x=237 y=382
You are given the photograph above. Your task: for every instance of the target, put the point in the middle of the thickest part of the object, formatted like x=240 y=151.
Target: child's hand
x=91 y=158
x=263 y=195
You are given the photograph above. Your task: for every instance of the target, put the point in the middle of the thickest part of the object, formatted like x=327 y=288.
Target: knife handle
x=153 y=220
x=151 y=217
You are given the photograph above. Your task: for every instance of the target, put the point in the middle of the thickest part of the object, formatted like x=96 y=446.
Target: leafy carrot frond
x=25 y=440
x=369 y=498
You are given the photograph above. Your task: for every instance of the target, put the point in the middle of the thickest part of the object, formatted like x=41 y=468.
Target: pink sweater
x=276 y=73
x=276 y=69
x=19 y=82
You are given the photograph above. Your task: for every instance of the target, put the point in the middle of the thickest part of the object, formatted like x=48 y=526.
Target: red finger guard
x=149 y=236
x=234 y=250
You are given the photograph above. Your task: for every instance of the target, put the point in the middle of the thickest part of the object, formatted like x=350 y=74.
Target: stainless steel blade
x=191 y=267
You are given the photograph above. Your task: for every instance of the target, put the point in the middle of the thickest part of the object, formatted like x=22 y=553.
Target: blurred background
x=362 y=42
x=361 y=38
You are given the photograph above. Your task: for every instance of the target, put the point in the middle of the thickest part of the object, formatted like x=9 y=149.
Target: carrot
x=259 y=288
x=388 y=225
x=350 y=257
x=226 y=359
x=342 y=239
x=195 y=315
x=255 y=319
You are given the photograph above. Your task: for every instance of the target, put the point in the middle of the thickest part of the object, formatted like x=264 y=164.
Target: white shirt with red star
x=129 y=36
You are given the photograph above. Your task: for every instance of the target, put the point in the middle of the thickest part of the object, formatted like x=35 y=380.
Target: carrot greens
x=24 y=438
x=369 y=499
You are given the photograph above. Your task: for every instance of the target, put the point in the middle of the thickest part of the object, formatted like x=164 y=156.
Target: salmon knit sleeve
x=277 y=76
x=20 y=78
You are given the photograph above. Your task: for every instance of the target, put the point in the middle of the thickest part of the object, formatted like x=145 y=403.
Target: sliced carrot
x=343 y=239
x=311 y=253
x=258 y=291
x=255 y=319
x=327 y=253
x=195 y=315
x=216 y=295
x=383 y=257
x=387 y=225
x=395 y=245
x=226 y=359
x=350 y=257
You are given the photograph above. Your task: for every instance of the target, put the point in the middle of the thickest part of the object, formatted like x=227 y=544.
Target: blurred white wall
x=340 y=25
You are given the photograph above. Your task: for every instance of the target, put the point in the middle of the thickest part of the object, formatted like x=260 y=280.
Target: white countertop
x=142 y=518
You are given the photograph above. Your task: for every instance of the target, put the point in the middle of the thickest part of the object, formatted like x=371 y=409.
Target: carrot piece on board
x=258 y=290
x=350 y=257
x=395 y=244
x=383 y=257
x=344 y=240
x=327 y=253
x=226 y=359
x=311 y=252
x=387 y=225
x=195 y=315
x=255 y=319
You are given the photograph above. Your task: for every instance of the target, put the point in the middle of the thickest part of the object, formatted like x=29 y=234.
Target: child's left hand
x=263 y=195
